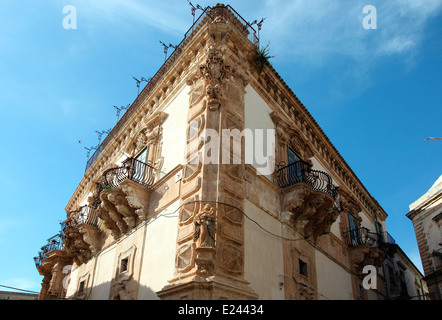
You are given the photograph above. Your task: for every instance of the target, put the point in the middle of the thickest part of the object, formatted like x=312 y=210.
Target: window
x=81 y=287
x=379 y=231
x=296 y=167
x=124 y=265
x=392 y=277
x=142 y=156
x=353 y=228
x=303 y=268
x=141 y=169
x=403 y=283
x=292 y=156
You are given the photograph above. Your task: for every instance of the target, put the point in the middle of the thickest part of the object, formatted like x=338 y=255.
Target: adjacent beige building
x=426 y=215
x=12 y=295
x=181 y=202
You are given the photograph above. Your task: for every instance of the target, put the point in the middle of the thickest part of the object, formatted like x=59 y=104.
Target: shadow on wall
x=121 y=289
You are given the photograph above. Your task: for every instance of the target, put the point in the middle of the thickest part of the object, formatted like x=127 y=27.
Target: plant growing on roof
x=262 y=56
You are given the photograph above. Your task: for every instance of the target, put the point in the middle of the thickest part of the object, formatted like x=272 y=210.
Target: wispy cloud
x=317 y=30
x=161 y=15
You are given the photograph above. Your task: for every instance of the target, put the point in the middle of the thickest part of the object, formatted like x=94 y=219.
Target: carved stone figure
x=205 y=227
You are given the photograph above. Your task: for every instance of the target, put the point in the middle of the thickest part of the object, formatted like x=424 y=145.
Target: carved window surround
x=83 y=286
x=301 y=284
x=123 y=285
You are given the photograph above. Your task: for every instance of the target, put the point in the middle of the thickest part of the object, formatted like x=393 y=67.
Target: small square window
x=124 y=265
x=303 y=268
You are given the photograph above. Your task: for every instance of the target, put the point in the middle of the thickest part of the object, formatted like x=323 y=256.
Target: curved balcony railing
x=54 y=243
x=321 y=182
x=362 y=236
x=85 y=215
x=39 y=258
x=135 y=170
x=299 y=171
x=292 y=174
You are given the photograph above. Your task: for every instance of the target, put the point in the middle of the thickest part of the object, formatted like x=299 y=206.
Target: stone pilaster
x=210 y=241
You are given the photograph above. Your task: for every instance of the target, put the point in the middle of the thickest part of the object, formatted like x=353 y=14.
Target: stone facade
x=151 y=220
x=426 y=216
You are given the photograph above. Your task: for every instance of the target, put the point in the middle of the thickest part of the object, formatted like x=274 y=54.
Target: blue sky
x=376 y=94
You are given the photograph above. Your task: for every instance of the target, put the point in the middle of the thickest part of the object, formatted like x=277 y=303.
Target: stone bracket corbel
x=137 y=197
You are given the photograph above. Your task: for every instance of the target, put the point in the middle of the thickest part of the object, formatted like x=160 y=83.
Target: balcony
x=132 y=169
x=362 y=236
x=365 y=248
x=300 y=171
x=310 y=198
x=86 y=215
x=54 y=243
x=50 y=263
x=122 y=196
x=388 y=245
x=82 y=233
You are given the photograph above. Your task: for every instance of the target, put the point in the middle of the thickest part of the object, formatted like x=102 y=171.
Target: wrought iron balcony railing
x=39 y=258
x=300 y=171
x=85 y=215
x=132 y=169
x=362 y=236
x=292 y=174
x=54 y=243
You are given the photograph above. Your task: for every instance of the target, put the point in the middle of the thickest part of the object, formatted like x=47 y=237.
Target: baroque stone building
x=153 y=219
x=426 y=215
